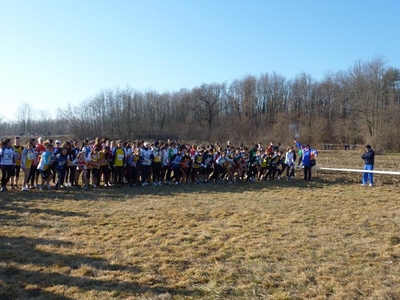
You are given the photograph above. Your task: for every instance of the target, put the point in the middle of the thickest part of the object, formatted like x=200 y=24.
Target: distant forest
x=357 y=106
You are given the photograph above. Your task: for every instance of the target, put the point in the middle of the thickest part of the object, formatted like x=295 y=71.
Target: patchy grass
x=329 y=238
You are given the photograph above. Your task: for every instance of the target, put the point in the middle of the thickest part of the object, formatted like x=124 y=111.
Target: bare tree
x=356 y=105
x=24 y=116
x=206 y=103
x=273 y=94
x=366 y=93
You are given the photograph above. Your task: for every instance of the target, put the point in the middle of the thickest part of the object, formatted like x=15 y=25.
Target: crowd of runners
x=48 y=164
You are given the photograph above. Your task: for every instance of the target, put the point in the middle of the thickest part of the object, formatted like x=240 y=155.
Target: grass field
x=325 y=239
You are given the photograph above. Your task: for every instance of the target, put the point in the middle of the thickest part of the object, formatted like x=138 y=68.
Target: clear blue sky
x=57 y=52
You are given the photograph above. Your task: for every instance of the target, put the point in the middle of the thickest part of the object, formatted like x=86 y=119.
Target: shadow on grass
x=14 y=211
x=126 y=192
x=242 y=187
x=24 y=283
x=22 y=210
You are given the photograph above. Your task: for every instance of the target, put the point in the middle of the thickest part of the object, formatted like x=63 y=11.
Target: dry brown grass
x=329 y=238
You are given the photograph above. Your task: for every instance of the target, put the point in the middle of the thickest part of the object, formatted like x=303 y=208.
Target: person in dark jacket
x=369 y=158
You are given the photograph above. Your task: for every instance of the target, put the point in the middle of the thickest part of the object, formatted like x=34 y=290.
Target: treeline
x=357 y=106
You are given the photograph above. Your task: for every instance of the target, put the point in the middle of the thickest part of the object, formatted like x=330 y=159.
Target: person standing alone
x=368 y=157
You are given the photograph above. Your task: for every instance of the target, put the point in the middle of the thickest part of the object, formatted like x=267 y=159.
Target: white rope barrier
x=356 y=170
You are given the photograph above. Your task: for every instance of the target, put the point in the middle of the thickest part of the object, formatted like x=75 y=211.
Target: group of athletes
x=48 y=164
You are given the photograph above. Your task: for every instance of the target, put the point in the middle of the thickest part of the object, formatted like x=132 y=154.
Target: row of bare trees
x=359 y=105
